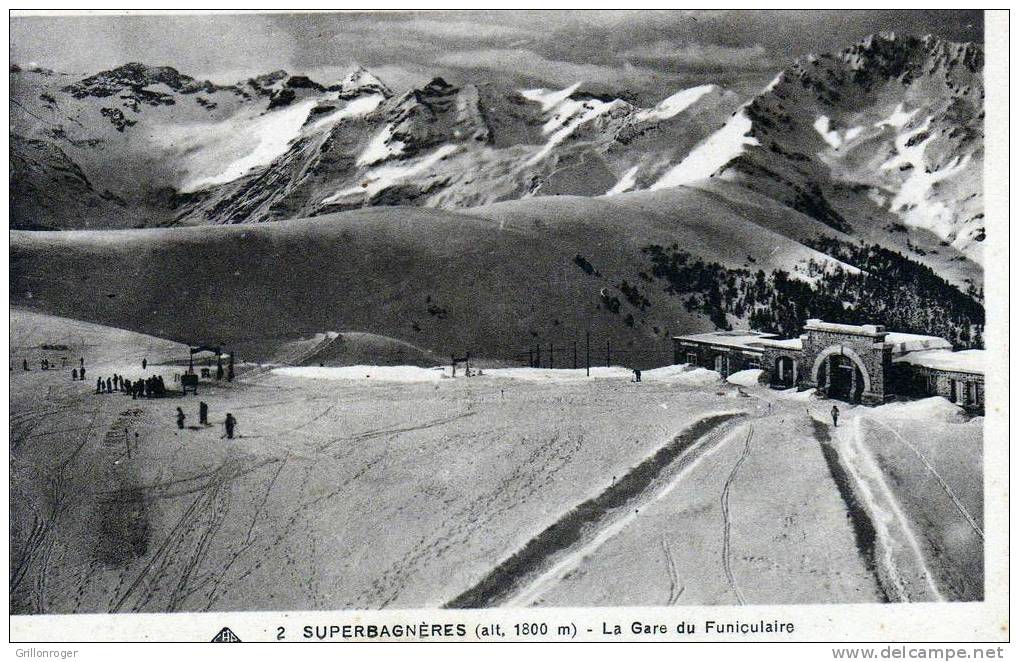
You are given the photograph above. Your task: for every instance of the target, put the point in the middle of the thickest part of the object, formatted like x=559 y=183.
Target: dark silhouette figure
x=835 y=415
x=24 y=364
x=109 y=385
x=636 y=375
x=180 y=418
x=229 y=424
x=82 y=361
x=81 y=373
x=203 y=413
x=145 y=363
x=99 y=385
x=132 y=387
x=74 y=374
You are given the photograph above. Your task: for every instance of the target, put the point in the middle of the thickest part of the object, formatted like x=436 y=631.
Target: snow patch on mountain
x=675 y=104
x=569 y=117
x=236 y=146
x=379 y=179
x=358 y=107
x=897 y=119
x=626 y=182
x=719 y=149
x=380 y=148
x=549 y=98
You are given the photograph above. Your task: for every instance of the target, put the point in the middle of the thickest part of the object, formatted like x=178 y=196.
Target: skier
x=229 y=424
x=145 y=362
x=203 y=413
x=180 y=418
x=835 y=415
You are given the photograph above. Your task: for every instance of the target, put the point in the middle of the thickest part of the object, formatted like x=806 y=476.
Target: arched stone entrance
x=839 y=372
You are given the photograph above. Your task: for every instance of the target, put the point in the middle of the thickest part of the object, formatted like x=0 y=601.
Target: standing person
x=81 y=373
x=636 y=374
x=24 y=364
x=109 y=385
x=132 y=388
x=835 y=415
x=74 y=374
x=180 y=418
x=229 y=424
x=82 y=362
x=99 y=385
x=145 y=362
x=203 y=413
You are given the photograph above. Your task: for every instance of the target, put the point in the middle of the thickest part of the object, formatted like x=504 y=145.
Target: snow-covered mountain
x=883 y=141
x=886 y=135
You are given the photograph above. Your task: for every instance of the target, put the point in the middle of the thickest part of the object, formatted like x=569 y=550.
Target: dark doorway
x=783 y=373
x=845 y=380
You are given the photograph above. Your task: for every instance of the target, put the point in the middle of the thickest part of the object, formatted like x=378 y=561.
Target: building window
x=691 y=358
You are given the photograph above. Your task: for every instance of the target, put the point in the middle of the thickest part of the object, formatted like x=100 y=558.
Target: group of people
x=150 y=387
x=203 y=419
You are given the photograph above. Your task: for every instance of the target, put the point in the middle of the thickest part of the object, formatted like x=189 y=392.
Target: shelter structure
x=856 y=363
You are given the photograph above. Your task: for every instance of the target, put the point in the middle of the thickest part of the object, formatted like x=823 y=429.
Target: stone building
x=855 y=363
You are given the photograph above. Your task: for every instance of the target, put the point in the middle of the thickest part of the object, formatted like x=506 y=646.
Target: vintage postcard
x=508 y=326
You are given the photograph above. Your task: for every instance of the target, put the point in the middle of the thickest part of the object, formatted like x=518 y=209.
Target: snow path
x=937 y=476
x=704 y=446
x=727 y=520
x=879 y=499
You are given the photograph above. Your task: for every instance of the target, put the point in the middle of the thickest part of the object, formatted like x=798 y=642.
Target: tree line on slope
x=888 y=289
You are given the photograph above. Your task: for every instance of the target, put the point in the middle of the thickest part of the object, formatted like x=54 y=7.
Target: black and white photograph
x=462 y=311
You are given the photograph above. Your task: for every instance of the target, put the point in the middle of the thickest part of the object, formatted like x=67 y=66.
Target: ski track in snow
x=543 y=582
x=727 y=520
x=937 y=476
x=875 y=493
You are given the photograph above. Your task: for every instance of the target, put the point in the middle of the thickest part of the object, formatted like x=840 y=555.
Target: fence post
x=588 y=349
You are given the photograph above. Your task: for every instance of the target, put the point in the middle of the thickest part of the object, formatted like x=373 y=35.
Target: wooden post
x=588 y=350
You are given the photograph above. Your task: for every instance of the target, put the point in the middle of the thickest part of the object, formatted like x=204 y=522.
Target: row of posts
x=534 y=354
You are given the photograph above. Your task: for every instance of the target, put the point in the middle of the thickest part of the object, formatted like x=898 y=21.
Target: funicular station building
x=862 y=363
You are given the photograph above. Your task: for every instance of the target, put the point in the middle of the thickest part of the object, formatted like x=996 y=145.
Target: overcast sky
x=648 y=53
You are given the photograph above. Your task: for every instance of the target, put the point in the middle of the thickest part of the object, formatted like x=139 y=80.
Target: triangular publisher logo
x=226 y=636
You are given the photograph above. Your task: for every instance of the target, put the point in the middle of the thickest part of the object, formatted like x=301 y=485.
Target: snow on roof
x=742 y=339
x=860 y=330
x=970 y=360
x=902 y=343
x=785 y=343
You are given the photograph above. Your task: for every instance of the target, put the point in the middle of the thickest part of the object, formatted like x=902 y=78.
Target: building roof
x=902 y=343
x=795 y=344
x=853 y=329
x=970 y=360
x=739 y=338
